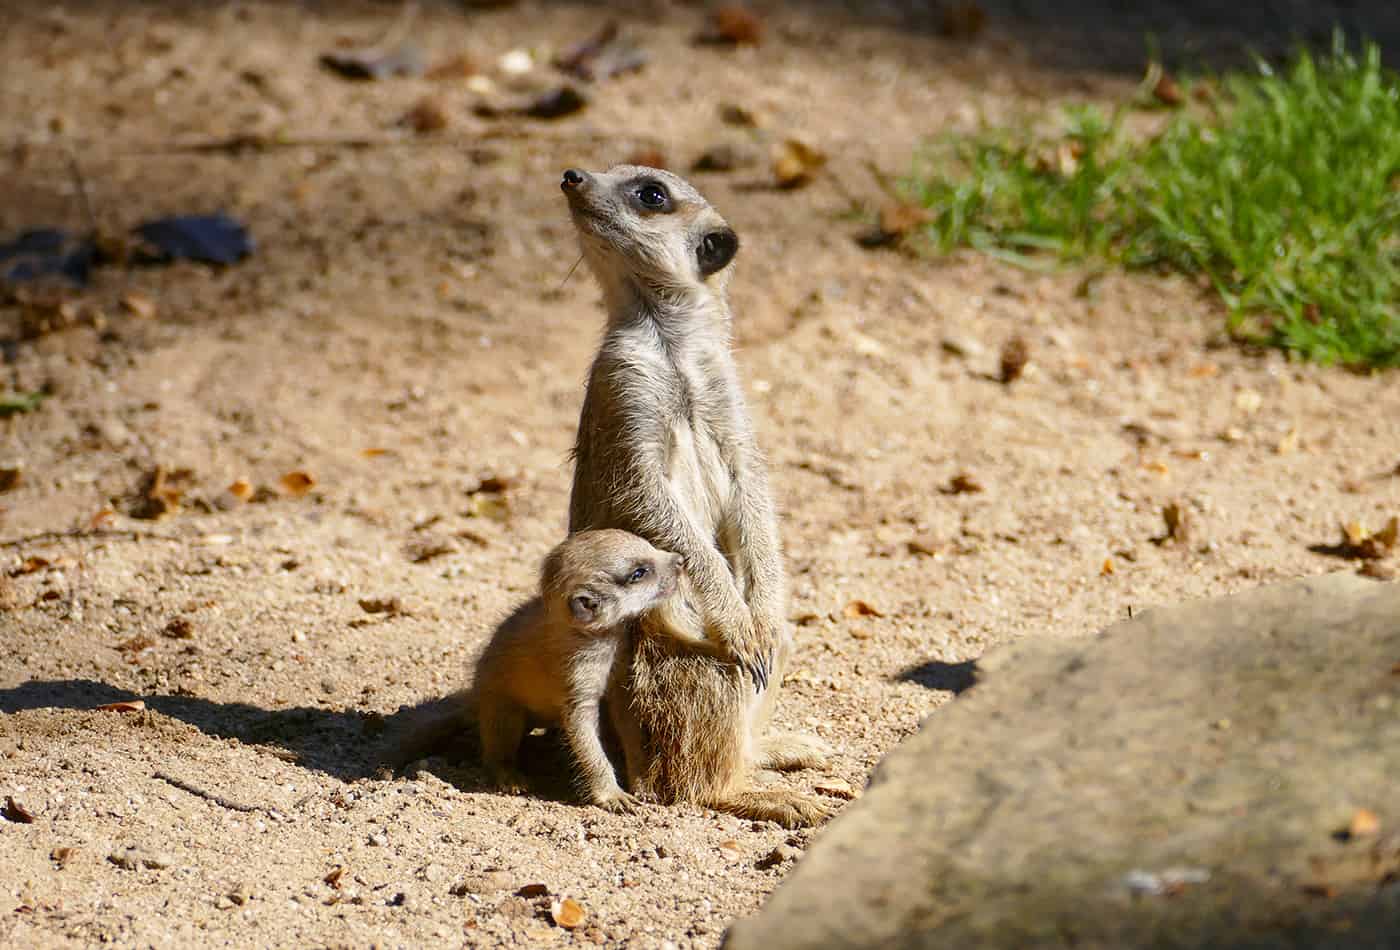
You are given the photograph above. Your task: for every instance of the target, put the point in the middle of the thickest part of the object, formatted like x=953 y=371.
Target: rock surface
x=1223 y=774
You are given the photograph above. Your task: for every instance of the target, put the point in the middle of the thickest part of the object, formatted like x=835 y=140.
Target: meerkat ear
x=584 y=607
x=717 y=248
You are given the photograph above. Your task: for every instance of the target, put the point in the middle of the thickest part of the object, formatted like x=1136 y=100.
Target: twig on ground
x=78 y=534
x=207 y=795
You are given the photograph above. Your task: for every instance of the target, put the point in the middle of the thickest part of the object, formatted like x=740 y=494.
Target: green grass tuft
x=1287 y=197
x=13 y=403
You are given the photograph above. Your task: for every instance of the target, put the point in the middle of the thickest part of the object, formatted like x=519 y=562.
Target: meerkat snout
x=572 y=178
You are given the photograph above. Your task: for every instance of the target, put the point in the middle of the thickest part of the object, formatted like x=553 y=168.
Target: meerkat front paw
x=751 y=653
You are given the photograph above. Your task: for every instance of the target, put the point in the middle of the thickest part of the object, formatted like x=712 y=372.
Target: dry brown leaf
x=62 y=855
x=30 y=565
x=897 y=218
x=10 y=478
x=1178 y=523
x=102 y=518
x=381 y=605
x=1167 y=90
x=161 y=492
x=334 y=875
x=795 y=163
x=373 y=453
x=296 y=483
x=926 y=545
x=427 y=115
x=136 y=644
x=730 y=850
x=422 y=550
x=726 y=157
x=1358 y=542
x=731 y=113
x=1107 y=567
x=1015 y=354
x=567 y=913
x=1203 y=370
x=455 y=67
x=494 y=485
x=861 y=633
x=733 y=25
x=179 y=628
x=533 y=890
x=1157 y=467
x=124 y=706
x=240 y=489
x=859 y=608
x=14 y=811
x=963 y=483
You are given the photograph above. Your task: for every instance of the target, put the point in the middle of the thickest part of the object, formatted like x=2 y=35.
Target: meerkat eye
x=652 y=195
x=639 y=572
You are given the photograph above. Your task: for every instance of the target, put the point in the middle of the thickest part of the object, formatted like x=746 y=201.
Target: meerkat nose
x=572 y=179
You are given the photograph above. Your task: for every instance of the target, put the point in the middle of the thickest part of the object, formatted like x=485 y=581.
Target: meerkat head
x=649 y=230
x=597 y=580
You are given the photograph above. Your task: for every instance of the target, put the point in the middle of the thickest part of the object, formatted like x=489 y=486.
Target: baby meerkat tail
x=787 y=808
x=416 y=732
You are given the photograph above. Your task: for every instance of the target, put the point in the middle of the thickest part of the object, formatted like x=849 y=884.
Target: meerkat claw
x=619 y=803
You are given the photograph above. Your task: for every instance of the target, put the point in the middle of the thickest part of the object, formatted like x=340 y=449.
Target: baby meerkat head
x=597 y=580
x=649 y=229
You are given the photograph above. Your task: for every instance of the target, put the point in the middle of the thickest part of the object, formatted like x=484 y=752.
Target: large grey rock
x=1177 y=781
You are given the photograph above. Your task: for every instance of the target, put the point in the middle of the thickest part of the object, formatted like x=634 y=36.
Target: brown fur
x=552 y=662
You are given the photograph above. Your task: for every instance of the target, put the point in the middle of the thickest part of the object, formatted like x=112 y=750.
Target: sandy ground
x=405 y=331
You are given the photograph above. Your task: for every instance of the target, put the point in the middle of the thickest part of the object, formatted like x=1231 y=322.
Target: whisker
x=569 y=274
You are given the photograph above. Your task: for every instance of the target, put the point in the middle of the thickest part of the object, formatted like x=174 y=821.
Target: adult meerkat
x=666 y=451
x=559 y=654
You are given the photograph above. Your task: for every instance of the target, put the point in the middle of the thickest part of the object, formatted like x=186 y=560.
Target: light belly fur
x=701 y=480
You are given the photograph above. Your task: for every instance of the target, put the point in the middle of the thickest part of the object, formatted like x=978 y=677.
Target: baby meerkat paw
x=508 y=781
x=617 y=801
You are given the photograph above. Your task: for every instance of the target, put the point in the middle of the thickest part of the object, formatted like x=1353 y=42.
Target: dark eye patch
x=717 y=248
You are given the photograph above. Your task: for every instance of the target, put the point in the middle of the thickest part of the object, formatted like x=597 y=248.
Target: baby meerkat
x=666 y=450
x=553 y=661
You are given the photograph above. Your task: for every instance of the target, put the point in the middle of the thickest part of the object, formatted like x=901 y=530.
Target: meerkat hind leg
x=789 y=751
x=502 y=724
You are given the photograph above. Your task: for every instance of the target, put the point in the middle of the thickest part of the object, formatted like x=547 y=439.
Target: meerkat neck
x=673 y=313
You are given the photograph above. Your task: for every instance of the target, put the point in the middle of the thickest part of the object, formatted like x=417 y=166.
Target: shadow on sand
x=345 y=743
